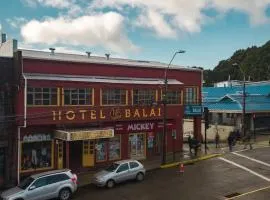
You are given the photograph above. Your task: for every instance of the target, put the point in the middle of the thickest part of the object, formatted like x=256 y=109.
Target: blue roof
x=231 y=98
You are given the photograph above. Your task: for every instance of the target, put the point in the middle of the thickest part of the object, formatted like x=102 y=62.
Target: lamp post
x=165 y=108
x=244 y=99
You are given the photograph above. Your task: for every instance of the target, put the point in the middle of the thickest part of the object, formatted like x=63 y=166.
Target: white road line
x=255 y=160
x=246 y=169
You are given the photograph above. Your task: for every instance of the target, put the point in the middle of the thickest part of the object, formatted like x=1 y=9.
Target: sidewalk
x=182 y=157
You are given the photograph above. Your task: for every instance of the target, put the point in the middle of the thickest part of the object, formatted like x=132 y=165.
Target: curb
x=186 y=162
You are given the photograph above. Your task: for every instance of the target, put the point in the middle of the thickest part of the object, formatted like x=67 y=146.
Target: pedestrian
x=190 y=143
x=247 y=141
x=230 y=141
x=217 y=138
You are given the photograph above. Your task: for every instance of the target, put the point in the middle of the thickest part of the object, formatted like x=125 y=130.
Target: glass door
x=137 y=145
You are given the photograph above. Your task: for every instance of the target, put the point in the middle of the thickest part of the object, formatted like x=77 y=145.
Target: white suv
x=53 y=184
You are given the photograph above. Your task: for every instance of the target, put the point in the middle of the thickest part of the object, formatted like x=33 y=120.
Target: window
x=36 y=155
x=114 y=97
x=57 y=178
x=191 y=96
x=114 y=148
x=143 y=97
x=41 y=182
x=133 y=165
x=78 y=96
x=41 y=96
x=101 y=150
x=123 y=167
x=173 y=97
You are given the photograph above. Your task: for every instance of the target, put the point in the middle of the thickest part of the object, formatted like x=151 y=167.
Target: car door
x=54 y=184
x=37 y=190
x=122 y=173
x=134 y=169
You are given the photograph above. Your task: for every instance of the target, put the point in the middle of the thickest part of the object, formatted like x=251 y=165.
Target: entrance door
x=137 y=145
x=60 y=154
x=88 y=153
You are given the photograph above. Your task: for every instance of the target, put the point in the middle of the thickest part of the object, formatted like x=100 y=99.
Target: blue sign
x=193 y=110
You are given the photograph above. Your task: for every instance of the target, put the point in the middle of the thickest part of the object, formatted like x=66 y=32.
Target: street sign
x=191 y=110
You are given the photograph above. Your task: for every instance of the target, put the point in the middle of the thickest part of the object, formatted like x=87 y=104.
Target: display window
x=36 y=155
x=101 y=150
x=108 y=149
x=115 y=148
x=137 y=143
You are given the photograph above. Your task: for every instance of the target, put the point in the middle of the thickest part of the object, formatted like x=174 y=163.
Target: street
x=245 y=173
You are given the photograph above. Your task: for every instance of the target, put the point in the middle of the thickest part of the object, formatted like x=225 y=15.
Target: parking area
x=238 y=175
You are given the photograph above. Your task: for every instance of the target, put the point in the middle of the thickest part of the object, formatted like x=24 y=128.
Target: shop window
x=78 y=96
x=173 y=97
x=41 y=96
x=101 y=150
x=115 y=148
x=143 y=97
x=36 y=155
x=114 y=97
x=191 y=95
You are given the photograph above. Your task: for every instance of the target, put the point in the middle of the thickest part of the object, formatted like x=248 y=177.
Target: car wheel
x=110 y=184
x=64 y=194
x=140 y=177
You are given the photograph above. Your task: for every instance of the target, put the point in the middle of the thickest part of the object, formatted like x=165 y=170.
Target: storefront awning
x=83 y=134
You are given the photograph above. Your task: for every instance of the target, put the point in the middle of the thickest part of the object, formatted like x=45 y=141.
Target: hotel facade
x=83 y=112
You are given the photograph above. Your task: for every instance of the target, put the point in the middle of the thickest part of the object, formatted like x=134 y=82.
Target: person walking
x=230 y=141
x=217 y=138
x=247 y=141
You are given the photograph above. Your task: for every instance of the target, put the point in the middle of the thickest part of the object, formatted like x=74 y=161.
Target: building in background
x=8 y=89
x=225 y=105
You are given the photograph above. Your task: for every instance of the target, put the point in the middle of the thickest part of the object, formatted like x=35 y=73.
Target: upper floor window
x=173 y=97
x=114 y=97
x=78 y=96
x=41 y=96
x=143 y=96
x=191 y=95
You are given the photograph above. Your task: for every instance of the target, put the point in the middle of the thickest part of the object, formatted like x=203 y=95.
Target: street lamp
x=165 y=107
x=244 y=99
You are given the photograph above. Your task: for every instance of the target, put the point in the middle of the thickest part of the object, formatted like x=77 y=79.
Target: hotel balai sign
x=106 y=114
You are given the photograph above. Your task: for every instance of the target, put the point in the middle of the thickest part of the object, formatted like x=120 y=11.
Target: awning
x=83 y=134
x=99 y=79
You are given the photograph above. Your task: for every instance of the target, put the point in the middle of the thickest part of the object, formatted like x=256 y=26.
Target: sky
x=208 y=30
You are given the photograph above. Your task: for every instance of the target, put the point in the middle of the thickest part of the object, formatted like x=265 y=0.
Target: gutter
x=19 y=128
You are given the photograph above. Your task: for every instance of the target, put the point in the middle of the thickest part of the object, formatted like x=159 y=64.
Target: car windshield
x=112 y=167
x=25 y=183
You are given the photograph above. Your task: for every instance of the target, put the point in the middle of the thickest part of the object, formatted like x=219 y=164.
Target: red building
x=81 y=112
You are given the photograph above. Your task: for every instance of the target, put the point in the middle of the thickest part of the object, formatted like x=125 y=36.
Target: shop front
x=37 y=153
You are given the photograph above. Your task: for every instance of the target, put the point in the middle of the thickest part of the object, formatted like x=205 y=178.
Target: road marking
x=255 y=160
x=250 y=192
x=240 y=150
x=246 y=169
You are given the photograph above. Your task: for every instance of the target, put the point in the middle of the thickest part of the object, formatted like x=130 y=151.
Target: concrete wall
x=7 y=48
x=223 y=130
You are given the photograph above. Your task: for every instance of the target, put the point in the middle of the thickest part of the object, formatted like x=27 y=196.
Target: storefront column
x=67 y=154
x=197 y=127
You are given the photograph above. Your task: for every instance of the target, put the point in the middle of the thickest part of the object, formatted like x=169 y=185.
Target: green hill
x=255 y=62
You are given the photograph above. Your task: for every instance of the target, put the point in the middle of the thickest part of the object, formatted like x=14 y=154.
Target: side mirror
x=32 y=187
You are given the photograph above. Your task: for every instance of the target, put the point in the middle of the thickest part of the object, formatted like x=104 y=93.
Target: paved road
x=212 y=179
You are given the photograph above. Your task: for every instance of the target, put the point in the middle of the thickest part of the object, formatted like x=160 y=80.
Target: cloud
x=16 y=22
x=184 y=16
x=50 y=3
x=103 y=29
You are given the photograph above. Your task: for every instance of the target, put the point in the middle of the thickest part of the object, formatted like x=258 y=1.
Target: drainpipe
x=19 y=127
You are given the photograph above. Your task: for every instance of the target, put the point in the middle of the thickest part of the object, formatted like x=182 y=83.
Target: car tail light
x=74 y=179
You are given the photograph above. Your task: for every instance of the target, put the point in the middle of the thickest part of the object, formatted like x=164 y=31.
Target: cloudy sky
x=208 y=30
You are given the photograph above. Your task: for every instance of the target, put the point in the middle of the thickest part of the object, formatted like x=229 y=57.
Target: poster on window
x=150 y=140
x=101 y=151
x=114 y=148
